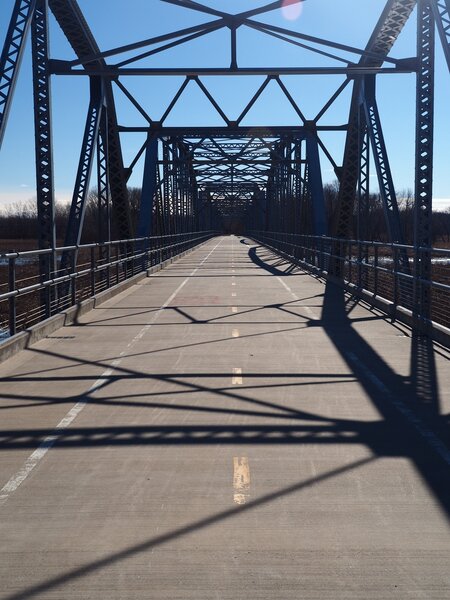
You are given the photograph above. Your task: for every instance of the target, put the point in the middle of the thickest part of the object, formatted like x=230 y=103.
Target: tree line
x=374 y=226
x=19 y=221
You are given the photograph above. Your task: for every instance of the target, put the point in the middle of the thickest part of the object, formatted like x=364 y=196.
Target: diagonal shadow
x=157 y=350
x=394 y=435
x=123 y=373
x=393 y=396
x=272 y=269
x=118 y=400
x=165 y=538
x=423 y=374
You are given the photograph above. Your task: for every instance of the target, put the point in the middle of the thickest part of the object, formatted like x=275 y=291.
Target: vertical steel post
x=363 y=188
x=315 y=184
x=424 y=162
x=380 y=156
x=103 y=197
x=148 y=188
x=75 y=224
x=43 y=148
x=103 y=200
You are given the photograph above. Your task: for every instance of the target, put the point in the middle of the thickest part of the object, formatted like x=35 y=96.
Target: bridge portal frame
x=103 y=129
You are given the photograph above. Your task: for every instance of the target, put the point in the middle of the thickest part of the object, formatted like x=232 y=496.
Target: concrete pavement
x=229 y=428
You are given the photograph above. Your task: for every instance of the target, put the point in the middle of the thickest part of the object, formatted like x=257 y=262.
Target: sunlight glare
x=291 y=9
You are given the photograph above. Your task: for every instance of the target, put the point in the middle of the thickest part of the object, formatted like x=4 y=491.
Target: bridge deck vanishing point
x=228 y=428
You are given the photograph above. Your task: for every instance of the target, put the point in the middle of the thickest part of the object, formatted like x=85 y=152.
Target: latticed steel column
x=43 y=146
x=363 y=186
x=167 y=190
x=11 y=56
x=104 y=217
x=350 y=169
x=148 y=188
x=441 y=10
x=315 y=184
x=424 y=159
x=71 y=20
x=381 y=160
x=75 y=225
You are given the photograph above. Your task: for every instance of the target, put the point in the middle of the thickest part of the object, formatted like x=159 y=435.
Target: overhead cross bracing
x=265 y=173
x=262 y=414
x=114 y=66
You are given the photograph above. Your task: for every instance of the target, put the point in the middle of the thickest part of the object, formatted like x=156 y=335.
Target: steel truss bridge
x=252 y=398
x=266 y=180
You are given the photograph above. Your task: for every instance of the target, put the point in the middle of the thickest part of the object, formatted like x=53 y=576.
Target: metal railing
x=28 y=297
x=384 y=270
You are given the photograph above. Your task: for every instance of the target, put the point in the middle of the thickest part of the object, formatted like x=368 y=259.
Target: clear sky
x=115 y=23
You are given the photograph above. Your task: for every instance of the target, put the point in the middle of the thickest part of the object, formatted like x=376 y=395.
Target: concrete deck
x=229 y=428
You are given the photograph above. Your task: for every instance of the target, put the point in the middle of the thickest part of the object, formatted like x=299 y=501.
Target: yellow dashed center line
x=241 y=479
x=237 y=376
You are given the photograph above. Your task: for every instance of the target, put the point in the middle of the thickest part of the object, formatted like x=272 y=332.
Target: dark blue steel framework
x=230 y=177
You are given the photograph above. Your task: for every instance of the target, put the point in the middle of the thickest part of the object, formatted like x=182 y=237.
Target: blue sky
x=116 y=23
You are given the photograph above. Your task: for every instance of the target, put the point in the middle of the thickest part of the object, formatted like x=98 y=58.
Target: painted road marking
x=233 y=283
x=237 y=376
x=241 y=479
x=235 y=333
x=433 y=440
x=35 y=457
x=234 y=309
x=307 y=309
x=233 y=294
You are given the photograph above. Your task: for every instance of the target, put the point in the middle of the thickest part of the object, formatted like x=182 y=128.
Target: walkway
x=229 y=428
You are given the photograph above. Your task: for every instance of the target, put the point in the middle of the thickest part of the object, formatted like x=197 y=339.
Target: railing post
x=395 y=279
x=108 y=268
x=133 y=258
x=73 y=282
x=117 y=263
x=359 y=264
x=93 y=271
x=12 y=300
x=375 y=285
x=350 y=265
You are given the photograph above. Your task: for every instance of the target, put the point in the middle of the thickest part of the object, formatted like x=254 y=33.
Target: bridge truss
x=265 y=179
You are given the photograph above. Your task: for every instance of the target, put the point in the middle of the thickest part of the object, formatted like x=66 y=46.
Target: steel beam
x=111 y=72
x=315 y=184
x=424 y=160
x=148 y=188
x=103 y=196
x=11 y=56
x=77 y=32
x=363 y=186
x=81 y=190
x=392 y=20
x=232 y=131
x=441 y=10
x=380 y=156
x=43 y=146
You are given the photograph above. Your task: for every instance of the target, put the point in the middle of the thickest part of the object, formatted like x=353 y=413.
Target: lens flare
x=291 y=9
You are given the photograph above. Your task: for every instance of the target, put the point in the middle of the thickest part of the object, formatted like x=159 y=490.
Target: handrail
x=371 y=266
x=93 y=267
